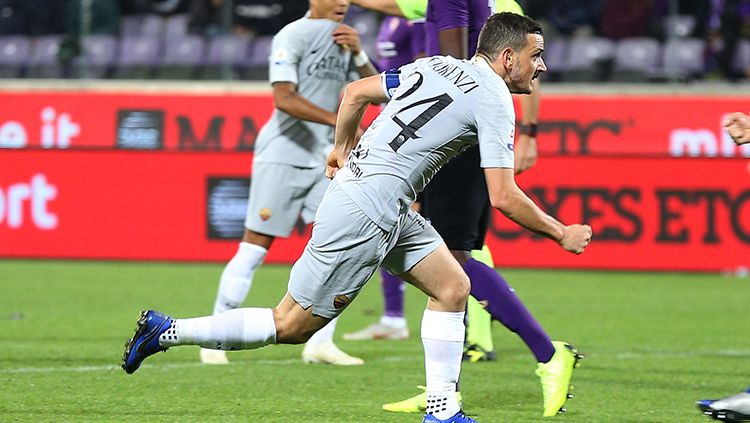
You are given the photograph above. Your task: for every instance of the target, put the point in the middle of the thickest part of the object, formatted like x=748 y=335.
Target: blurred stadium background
x=126 y=135
x=596 y=41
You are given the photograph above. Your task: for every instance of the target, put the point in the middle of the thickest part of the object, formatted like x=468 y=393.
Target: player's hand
x=347 y=37
x=525 y=153
x=576 y=238
x=738 y=126
x=335 y=161
x=338 y=155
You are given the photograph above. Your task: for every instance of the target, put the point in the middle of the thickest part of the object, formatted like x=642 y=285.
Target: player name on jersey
x=454 y=74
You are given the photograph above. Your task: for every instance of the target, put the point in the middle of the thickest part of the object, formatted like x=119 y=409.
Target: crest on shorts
x=340 y=301
x=265 y=213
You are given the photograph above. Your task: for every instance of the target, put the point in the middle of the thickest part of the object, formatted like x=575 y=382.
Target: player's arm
x=507 y=197
x=288 y=100
x=287 y=48
x=347 y=37
x=738 y=126
x=410 y=9
x=526 y=151
x=389 y=7
x=357 y=96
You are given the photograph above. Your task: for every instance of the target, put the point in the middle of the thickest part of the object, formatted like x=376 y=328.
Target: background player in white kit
x=364 y=219
x=309 y=64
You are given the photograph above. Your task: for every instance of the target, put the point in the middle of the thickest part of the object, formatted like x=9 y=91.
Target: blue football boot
x=705 y=405
x=732 y=409
x=145 y=341
x=456 y=418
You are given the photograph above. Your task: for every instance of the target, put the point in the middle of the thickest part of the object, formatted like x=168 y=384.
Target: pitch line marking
x=104 y=368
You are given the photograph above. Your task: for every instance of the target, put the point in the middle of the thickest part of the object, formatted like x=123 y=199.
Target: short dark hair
x=504 y=30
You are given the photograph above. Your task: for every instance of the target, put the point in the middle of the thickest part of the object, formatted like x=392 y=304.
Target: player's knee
x=259 y=239
x=463 y=288
x=455 y=292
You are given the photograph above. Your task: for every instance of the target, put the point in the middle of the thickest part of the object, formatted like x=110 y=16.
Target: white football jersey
x=439 y=107
x=304 y=53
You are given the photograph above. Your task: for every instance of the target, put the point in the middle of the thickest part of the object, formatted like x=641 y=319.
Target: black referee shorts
x=457 y=204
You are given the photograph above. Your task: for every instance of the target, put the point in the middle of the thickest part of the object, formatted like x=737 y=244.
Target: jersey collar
x=484 y=67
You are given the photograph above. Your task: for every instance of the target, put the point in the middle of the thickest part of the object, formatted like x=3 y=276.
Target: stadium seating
x=257 y=64
x=679 y=26
x=97 y=58
x=683 y=59
x=587 y=59
x=176 y=25
x=137 y=57
x=43 y=58
x=636 y=60
x=227 y=57
x=130 y=25
x=151 y=25
x=182 y=57
x=742 y=58
x=555 y=51
x=152 y=46
x=14 y=52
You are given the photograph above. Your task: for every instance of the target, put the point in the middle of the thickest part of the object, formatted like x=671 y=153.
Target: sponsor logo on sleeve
x=280 y=57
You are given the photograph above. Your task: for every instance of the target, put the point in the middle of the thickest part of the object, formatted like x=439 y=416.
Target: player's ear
x=507 y=56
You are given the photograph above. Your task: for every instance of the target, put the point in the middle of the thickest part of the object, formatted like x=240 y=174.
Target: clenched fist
x=738 y=126
x=576 y=238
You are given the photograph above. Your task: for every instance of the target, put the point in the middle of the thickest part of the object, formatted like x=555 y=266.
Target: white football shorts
x=280 y=194
x=347 y=247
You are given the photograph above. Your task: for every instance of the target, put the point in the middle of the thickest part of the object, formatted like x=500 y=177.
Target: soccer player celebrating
x=452 y=28
x=440 y=106
x=309 y=63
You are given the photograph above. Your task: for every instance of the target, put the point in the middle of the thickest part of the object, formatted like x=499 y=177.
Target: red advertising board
x=581 y=124
x=639 y=125
x=71 y=120
x=647 y=213
x=119 y=205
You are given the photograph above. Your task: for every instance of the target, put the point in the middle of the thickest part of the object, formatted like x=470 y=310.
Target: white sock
x=393 y=322
x=237 y=276
x=325 y=334
x=443 y=339
x=238 y=329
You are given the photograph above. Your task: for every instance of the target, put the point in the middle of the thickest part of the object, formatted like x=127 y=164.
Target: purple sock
x=393 y=292
x=504 y=306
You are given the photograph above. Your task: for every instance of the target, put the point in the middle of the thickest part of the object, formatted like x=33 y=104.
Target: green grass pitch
x=654 y=343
